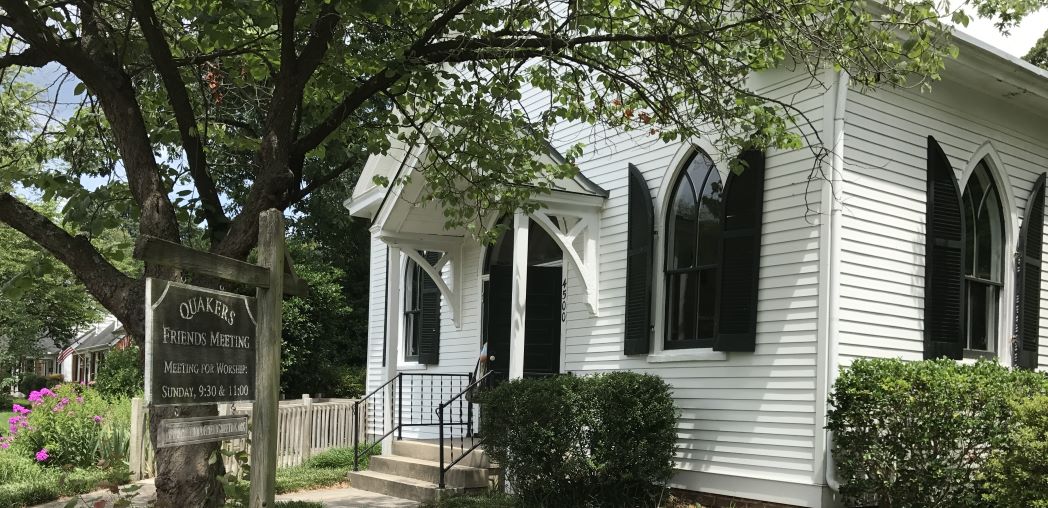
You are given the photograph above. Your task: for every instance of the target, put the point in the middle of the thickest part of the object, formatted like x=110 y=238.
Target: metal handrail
x=440 y=423
x=397 y=404
x=356 y=424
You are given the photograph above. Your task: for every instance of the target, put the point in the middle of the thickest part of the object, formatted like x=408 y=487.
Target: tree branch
x=378 y=82
x=317 y=45
x=106 y=283
x=184 y=116
x=31 y=57
x=314 y=184
x=99 y=69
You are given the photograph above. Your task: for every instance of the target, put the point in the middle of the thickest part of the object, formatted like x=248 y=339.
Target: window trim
x=987 y=154
x=659 y=351
x=411 y=284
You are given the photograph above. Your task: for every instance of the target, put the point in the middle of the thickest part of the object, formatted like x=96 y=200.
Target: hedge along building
x=745 y=292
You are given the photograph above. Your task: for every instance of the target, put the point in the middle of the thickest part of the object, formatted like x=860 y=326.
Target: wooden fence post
x=307 y=427
x=138 y=439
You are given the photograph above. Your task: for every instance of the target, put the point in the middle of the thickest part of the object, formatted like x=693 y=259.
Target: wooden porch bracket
x=571 y=227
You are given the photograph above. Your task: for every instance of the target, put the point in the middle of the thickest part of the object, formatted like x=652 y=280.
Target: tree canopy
x=40 y=298
x=206 y=112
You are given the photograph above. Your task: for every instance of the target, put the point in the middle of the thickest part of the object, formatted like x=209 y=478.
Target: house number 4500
x=563 y=300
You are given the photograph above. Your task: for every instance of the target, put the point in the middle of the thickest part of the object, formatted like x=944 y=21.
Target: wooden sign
x=200 y=345
x=204 y=429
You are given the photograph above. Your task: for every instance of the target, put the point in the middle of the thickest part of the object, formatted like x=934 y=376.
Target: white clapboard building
x=745 y=292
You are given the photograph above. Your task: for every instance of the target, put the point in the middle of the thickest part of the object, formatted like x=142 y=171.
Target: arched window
x=693 y=228
x=421 y=312
x=984 y=258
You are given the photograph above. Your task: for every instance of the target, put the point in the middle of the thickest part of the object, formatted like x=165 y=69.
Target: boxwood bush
x=1017 y=472
x=921 y=434
x=602 y=440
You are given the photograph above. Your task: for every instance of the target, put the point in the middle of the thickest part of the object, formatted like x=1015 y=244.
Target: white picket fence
x=304 y=427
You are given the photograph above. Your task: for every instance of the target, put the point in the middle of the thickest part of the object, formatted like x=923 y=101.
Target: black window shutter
x=1028 y=279
x=639 y=261
x=944 y=260
x=743 y=207
x=429 y=337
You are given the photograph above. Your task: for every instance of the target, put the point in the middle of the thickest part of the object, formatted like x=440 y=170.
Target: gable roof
x=400 y=160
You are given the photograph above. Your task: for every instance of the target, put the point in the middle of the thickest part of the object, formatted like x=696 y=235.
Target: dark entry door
x=499 y=301
x=541 y=320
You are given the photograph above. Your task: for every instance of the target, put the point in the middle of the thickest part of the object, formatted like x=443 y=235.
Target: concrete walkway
x=348 y=497
x=339 y=497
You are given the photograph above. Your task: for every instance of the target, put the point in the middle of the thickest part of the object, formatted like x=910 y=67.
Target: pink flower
x=42 y=455
x=35 y=397
x=80 y=400
x=20 y=409
x=14 y=420
x=97 y=419
x=4 y=445
x=46 y=392
x=65 y=400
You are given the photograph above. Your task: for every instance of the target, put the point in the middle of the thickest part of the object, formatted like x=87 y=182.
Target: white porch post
x=392 y=341
x=520 y=295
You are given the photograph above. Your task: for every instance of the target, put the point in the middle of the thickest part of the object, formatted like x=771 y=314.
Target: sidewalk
x=340 y=497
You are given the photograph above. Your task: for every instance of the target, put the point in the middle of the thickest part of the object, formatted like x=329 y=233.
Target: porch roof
x=570 y=215
x=369 y=198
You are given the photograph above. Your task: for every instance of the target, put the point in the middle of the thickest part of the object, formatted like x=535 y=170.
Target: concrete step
x=429 y=471
x=430 y=451
x=399 y=486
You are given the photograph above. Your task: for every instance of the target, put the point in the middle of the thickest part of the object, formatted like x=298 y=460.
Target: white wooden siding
x=882 y=268
x=749 y=419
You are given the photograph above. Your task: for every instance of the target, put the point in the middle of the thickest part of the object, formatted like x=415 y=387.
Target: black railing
x=457 y=412
x=412 y=398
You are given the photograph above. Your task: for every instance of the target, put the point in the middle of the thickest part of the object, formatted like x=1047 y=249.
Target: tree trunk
x=183 y=476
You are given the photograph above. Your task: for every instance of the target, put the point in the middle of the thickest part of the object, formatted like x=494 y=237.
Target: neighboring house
x=82 y=359
x=745 y=292
x=45 y=362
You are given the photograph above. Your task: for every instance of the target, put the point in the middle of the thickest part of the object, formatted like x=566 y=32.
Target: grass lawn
x=493 y=499
x=325 y=469
x=24 y=483
x=487 y=500
x=6 y=413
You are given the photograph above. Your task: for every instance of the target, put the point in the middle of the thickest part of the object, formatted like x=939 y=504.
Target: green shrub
x=15 y=468
x=603 y=440
x=916 y=434
x=119 y=376
x=30 y=382
x=23 y=482
x=28 y=493
x=1017 y=473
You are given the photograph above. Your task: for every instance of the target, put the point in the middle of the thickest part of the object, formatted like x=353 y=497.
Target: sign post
x=205 y=346
x=270 y=300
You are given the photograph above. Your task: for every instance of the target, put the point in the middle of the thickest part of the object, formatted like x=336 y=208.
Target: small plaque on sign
x=200 y=346
x=204 y=429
